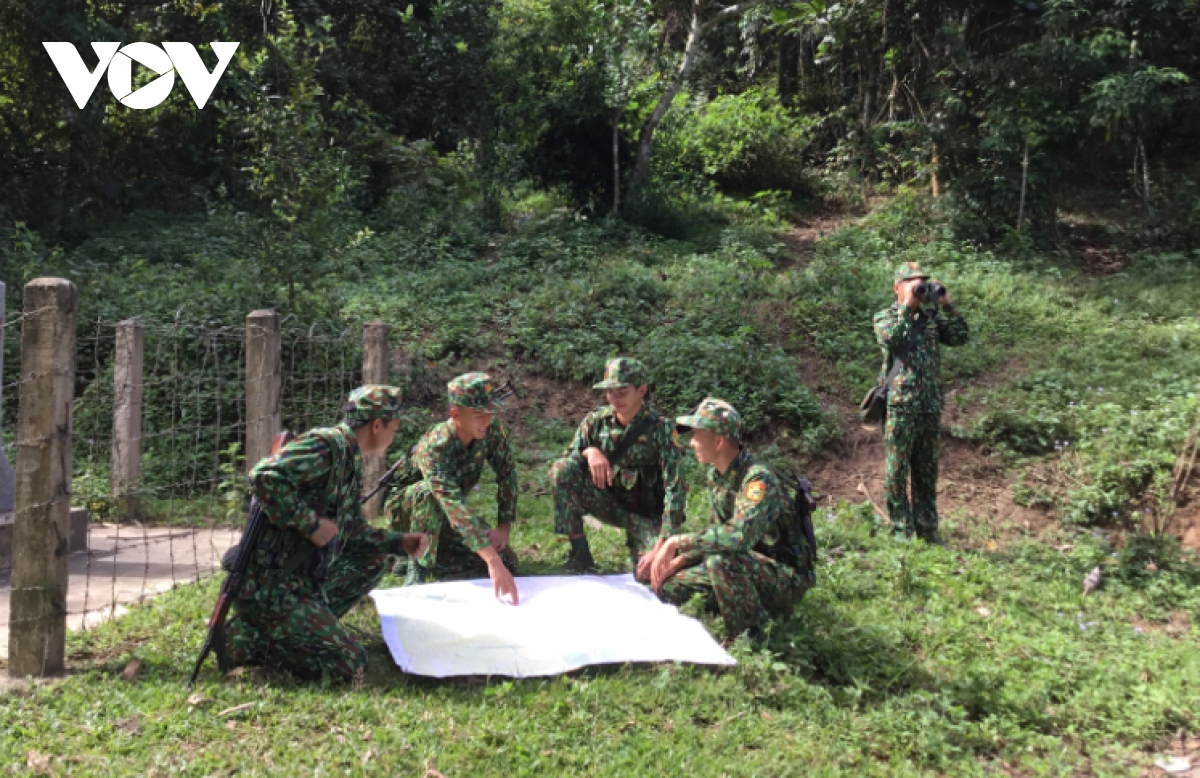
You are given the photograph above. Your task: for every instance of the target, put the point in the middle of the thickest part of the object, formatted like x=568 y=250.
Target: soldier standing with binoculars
x=921 y=318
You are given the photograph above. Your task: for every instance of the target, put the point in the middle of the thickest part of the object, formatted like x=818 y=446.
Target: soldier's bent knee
x=563 y=472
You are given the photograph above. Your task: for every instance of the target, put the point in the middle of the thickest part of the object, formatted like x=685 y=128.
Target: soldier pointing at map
x=450 y=458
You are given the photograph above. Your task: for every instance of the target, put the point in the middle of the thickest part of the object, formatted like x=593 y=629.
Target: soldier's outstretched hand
x=599 y=466
x=498 y=537
x=415 y=544
x=502 y=580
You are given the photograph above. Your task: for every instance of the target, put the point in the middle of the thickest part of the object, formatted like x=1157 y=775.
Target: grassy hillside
x=1079 y=386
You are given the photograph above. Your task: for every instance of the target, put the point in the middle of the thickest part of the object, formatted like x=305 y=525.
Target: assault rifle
x=255 y=524
x=237 y=561
x=504 y=391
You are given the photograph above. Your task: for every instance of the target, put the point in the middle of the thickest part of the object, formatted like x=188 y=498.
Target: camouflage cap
x=624 y=371
x=716 y=416
x=909 y=271
x=373 y=401
x=474 y=390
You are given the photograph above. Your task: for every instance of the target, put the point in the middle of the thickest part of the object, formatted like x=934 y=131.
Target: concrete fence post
x=263 y=382
x=38 y=603
x=375 y=371
x=7 y=476
x=127 y=417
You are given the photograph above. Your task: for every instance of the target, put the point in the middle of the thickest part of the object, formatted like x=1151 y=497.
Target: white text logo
x=181 y=58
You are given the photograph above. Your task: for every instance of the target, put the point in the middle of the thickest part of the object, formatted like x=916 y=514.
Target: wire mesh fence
x=158 y=439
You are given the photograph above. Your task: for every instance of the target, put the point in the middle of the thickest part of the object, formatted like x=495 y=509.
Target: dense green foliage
x=303 y=128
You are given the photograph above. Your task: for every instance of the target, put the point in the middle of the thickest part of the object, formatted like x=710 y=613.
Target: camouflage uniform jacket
x=317 y=476
x=452 y=470
x=746 y=501
x=656 y=456
x=918 y=388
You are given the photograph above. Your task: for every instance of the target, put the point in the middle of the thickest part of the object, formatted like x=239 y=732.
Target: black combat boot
x=579 y=560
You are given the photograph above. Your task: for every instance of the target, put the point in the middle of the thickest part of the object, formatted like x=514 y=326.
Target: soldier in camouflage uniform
x=450 y=458
x=728 y=563
x=915 y=401
x=642 y=492
x=318 y=556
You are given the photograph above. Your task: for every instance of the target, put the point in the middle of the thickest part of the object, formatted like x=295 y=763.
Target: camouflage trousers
x=910 y=441
x=745 y=587
x=633 y=510
x=294 y=623
x=448 y=557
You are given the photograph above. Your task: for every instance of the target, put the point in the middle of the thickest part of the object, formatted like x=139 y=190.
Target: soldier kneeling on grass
x=758 y=556
x=318 y=556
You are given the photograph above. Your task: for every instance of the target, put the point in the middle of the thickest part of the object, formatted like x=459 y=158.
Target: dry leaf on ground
x=236 y=709
x=131 y=670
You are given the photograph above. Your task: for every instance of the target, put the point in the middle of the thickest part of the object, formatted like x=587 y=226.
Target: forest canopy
x=333 y=106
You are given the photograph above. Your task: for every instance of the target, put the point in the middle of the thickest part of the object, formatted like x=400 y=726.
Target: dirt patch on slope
x=566 y=400
x=973 y=488
x=1185 y=524
x=802 y=239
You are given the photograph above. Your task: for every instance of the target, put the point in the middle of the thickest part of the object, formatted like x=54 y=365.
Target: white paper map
x=562 y=623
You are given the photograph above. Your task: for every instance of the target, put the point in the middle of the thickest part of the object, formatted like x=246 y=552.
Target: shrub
x=742 y=143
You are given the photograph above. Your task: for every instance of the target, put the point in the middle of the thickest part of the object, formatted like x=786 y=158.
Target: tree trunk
x=789 y=67
x=1145 y=175
x=616 y=162
x=933 y=177
x=691 y=53
x=1024 y=181
x=489 y=200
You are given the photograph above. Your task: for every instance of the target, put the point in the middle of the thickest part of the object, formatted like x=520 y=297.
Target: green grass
x=905 y=660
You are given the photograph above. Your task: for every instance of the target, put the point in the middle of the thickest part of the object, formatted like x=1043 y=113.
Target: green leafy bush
x=742 y=143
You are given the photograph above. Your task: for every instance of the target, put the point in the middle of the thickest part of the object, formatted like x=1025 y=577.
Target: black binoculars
x=929 y=291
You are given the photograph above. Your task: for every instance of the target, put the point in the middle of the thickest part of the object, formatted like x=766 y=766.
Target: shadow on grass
x=830 y=647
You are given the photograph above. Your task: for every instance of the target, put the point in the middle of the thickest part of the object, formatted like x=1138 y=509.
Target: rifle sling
x=631 y=435
x=899 y=360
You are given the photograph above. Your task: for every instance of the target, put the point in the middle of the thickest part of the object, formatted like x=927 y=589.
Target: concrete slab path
x=127 y=563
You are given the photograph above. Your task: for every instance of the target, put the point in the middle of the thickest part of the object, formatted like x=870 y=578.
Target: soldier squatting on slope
x=625 y=468
x=732 y=562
